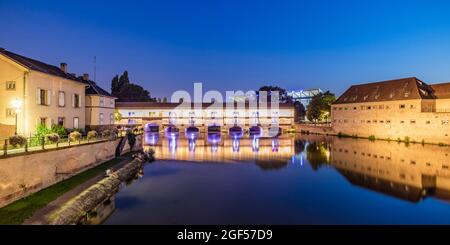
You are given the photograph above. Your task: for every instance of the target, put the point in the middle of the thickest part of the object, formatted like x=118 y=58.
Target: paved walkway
x=39 y=217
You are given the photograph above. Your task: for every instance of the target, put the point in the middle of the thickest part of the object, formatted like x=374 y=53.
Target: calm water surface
x=289 y=180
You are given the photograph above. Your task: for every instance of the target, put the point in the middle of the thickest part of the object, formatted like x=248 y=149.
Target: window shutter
x=38 y=96
x=73 y=100
x=49 y=97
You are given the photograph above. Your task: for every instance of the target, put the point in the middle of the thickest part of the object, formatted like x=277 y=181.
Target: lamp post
x=16 y=105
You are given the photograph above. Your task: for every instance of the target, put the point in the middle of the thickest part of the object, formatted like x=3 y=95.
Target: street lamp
x=16 y=105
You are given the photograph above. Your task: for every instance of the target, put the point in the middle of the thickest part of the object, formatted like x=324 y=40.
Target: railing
x=42 y=143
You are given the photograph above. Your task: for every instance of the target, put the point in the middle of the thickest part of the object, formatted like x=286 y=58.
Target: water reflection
x=408 y=172
x=389 y=174
x=221 y=148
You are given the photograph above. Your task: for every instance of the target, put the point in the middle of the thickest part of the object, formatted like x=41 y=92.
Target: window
x=412 y=106
x=111 y=118
x=76 y=101
x=444 y=122
x=412 y=121
x=381 y=121
x=76 y=122
x=10 y=112
x=43 y=121
x=101 y=119
x=102 y=101
x=11 y=85
x=61 y=99
x=428 y=122
x=402 y=106
x=43 y=97
x=111 y=102
x=381 y=107
x=354 y=108
x=388 y=121
x=402 y=121
x=61 y=121
x=369 y=107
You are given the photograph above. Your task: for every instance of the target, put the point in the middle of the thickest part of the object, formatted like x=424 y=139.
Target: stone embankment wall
x=25 y=174
x=314 y=128
x=74 y=211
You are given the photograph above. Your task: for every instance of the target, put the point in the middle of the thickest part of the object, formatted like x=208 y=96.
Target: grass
x=17 y=212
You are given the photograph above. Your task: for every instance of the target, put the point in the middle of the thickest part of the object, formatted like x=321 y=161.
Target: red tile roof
x=442 y=90
x=400 y=89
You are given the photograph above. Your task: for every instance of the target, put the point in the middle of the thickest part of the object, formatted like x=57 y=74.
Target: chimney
x=63 y=67
x=85 y=76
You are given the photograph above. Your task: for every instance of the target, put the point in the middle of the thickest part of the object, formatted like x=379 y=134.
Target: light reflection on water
x=287 y=180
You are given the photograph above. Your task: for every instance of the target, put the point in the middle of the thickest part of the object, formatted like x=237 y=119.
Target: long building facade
x=34 y=93
x=406 y=109
x=164 y=114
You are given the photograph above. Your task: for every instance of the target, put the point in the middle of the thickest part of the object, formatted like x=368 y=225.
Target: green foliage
x=124 y=90
x=372 y=138
x=282 y=94
x=53 y=137
x=17 y=140
x=300 y=111
x=319 y=109
x=41 y=131
x=59 y=129
x=75 y=136
x=92 y=134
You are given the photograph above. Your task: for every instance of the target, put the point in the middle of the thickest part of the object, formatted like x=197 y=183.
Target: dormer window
x=365 y=97
x=407 y=93
x=377 y=96
x=391 y=95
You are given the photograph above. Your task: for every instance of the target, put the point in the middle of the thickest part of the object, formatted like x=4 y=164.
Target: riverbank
x=46 y=200
x=326 y=129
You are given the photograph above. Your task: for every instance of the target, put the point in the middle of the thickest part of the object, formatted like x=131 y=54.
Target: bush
x=75 y=136
x=106 y=133
x=60 y=130
x=17 y=140
x=41 y=131
x=52 y=137
x=372 y=138
x=92 y=134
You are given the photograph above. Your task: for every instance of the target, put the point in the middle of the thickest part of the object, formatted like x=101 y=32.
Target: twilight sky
x=229 y=45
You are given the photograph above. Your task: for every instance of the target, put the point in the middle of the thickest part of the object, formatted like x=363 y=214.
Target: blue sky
x=230 y=45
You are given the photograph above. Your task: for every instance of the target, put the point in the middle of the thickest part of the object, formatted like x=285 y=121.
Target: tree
x=115 y=85
x=282 y=96
x=125 y=91
x=319 y=108
x=300 y=111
